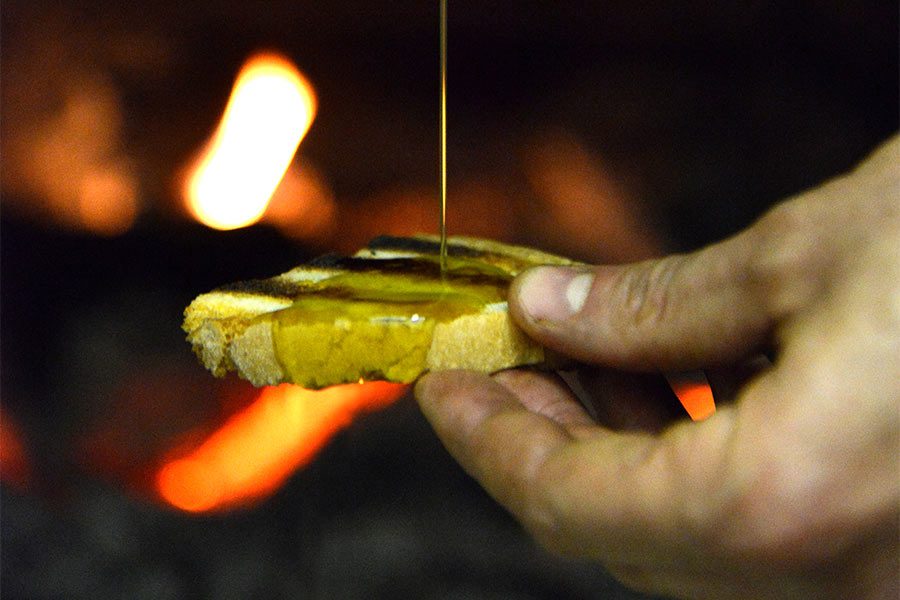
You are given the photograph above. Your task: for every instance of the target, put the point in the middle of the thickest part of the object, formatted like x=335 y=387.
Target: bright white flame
x=270 y=110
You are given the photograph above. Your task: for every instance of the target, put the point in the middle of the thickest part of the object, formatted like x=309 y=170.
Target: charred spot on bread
x=272 y=288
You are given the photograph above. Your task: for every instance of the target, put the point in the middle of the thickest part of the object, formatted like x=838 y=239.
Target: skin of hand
x=792 y=488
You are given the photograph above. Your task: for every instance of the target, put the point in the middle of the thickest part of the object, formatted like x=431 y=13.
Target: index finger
x=618 y=497
x=479 y=421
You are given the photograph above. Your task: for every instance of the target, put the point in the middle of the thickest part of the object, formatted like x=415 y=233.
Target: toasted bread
x=389 y=313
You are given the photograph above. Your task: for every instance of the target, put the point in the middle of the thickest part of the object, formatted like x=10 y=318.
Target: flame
x=696 y=397
x=271 y=108
x=259 y=447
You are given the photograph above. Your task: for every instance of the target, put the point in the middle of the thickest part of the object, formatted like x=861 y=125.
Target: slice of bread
x=387 y=313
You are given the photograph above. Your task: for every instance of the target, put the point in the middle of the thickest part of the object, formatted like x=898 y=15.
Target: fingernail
x=577 y=291
x=553 y=293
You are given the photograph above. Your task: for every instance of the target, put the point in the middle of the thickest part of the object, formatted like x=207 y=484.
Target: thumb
x=679 y=312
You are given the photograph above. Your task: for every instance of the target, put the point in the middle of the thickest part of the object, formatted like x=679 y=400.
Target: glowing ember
x=258 y=448
x=270 y=110
x=696 y=397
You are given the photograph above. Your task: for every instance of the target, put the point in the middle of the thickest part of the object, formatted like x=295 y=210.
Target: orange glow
x=107 y=201
x=586 y=210
x=14 y=463
x=271 y=108
x=696 y=397
x=303 y=207
x=261 y=446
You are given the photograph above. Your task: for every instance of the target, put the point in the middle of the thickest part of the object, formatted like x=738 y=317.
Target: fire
x=259 y=447
x=271 y=108
x=696 y=397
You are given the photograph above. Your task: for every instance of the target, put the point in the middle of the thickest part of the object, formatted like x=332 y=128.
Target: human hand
x=791 y=489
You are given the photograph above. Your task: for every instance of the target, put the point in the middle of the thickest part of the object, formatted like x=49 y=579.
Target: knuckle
x=646 y=300
x=786 y=262
x=518 y=477
x=631 y=576
x=544 y=515
x=774 y=521
x=646 y=291
x=539 y=515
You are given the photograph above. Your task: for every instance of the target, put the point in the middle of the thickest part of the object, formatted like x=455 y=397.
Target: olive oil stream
x=443 y=136
x=377 y=297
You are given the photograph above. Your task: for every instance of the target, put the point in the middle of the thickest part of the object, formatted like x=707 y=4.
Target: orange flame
x=696 y=397
x=271 y=108
x=258 y=448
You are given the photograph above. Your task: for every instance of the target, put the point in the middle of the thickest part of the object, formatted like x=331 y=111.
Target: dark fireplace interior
x=609 y=132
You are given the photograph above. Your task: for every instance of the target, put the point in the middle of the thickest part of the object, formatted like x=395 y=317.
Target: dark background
x=704 y=113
